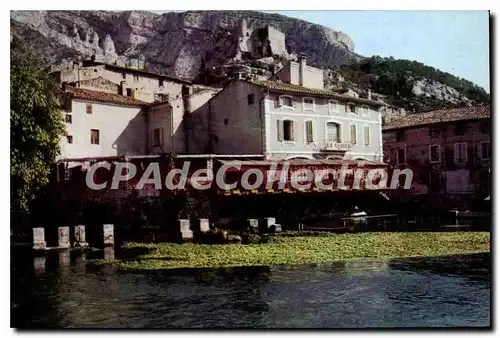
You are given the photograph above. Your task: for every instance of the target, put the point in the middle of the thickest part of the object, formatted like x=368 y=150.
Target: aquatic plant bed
x=303 y=248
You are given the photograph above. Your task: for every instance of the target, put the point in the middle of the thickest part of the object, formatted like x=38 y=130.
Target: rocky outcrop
x=178 y=44
x=435 y=90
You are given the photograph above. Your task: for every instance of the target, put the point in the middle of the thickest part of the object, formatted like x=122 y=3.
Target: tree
x=36 y=124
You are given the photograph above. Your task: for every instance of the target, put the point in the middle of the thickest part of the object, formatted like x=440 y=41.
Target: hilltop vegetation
x=398 y=78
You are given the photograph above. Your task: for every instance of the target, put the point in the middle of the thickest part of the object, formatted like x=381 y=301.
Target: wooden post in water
x=80 y=237
x=185 y=230
x=39 y=239
x=108 y=233
x=253 y=225
x=63 y=237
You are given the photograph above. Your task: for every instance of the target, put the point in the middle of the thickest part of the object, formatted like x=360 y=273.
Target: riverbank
x=302 y=248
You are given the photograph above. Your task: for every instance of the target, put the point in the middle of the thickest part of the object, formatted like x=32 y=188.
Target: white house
x=100 y=124
x=283 y=120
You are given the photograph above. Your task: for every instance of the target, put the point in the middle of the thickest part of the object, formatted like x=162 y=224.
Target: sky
x=456 y=42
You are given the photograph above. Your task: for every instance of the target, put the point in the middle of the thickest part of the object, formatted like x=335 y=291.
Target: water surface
x=62 y=291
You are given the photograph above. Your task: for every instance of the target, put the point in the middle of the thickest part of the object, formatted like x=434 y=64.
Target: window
x=69 y=138
x=332 y=132
x=66 y=104
x=88 y=108
x=160 y=82
x=226 y=121
x=484 y=127
x=308 y=104
x=460 y=154
x=353 y=133
x=435 y=132
x=136 y=77
x=158 y=97
x=351 y=108
x=401 y=136
x=461 y=128
x=333 y=106
x=435 y=153
x=124 y=75
x=365 y=111
x=286 y=101
x=251 y=99
x=367 y=135
x=285 y=130
x=484 y=150
x=68 y=118
x=157 y=137
x=129 y=92
x=401 y=156
x=309 y=131
x=94 y=136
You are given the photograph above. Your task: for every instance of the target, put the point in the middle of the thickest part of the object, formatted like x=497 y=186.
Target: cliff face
x=174 y=43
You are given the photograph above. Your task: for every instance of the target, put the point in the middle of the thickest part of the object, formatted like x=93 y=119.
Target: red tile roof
x=92 y=95
x=98 y=81
x=137 y=71
x=440 y=116
x=287 y=87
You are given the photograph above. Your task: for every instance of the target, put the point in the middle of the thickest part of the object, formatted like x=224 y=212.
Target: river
x=62 y=291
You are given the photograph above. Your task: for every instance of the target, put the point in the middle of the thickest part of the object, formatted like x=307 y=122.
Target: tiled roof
x=287 y=87
x=442 y=115
x=98 y=81
x=92 y=95
x=139 y=71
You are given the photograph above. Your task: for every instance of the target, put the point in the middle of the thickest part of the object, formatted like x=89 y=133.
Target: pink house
x=448 y=150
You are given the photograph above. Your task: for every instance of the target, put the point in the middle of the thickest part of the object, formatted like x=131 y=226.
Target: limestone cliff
x=178 y=44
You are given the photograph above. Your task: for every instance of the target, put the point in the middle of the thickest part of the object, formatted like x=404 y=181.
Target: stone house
x=290 y=117
x=102 y=123
x=448 y=150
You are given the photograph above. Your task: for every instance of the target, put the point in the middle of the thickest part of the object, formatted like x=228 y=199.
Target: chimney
x=302 y=68
x=369 y=94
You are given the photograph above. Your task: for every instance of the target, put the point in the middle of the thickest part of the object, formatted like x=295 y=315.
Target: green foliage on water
x=302 y=248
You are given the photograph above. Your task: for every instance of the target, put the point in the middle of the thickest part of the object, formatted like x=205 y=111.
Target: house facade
x=281 y=120
x=127 y=81
x=125 y=111
x=100 y=124
x=448 y=150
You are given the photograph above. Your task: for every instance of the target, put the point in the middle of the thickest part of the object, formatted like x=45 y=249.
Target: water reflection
x=39 y=263
x=453 y=291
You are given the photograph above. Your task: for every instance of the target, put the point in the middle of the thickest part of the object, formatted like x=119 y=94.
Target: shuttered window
x=94 y=136
x=288 y=132
x=460 y=154
x=287 y=101
x=367 y=135
x=285 y=130
x=309 y=131
x=353 y=134
x=280 y=130
x=332 y=132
